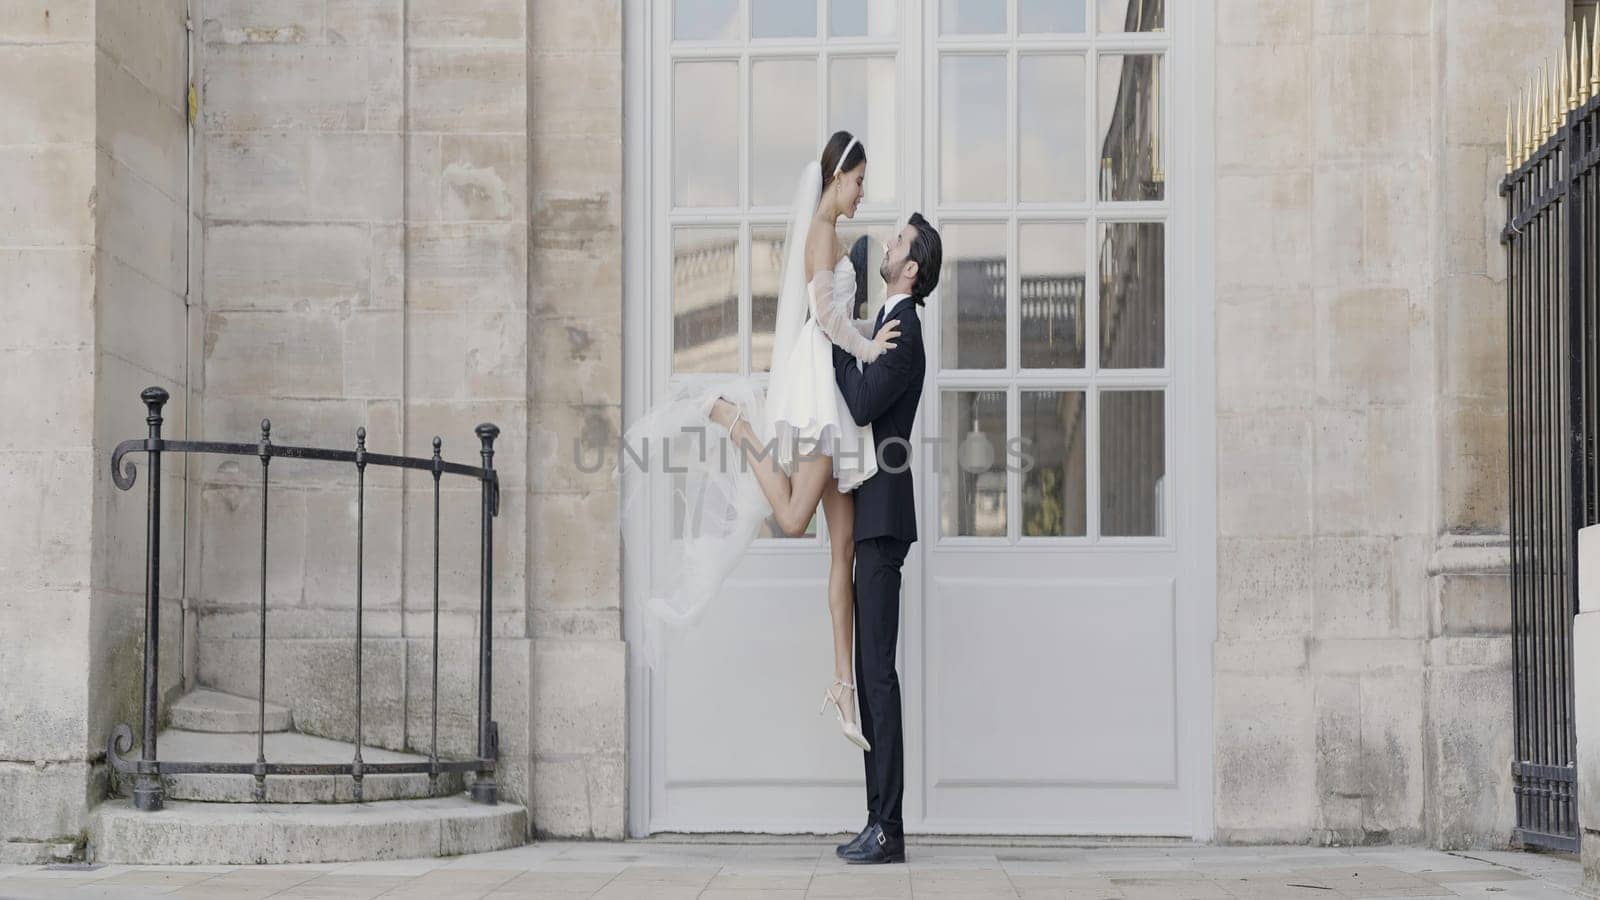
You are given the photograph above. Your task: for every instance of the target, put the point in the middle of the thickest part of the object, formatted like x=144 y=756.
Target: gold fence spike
x=1594 y=58
x=1570 y=71
x=1508 y=139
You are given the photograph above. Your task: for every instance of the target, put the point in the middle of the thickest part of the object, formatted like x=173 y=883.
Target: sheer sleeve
x=831 y=308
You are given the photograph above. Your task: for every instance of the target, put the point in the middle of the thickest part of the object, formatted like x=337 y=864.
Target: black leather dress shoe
x=879 y=848
x=854 y=842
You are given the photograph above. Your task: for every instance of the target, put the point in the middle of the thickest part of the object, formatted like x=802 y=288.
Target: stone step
x=196 y=746
x=238 y=834
x=214 y=711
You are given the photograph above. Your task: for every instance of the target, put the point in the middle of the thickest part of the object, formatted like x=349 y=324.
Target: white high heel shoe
x=852 y=731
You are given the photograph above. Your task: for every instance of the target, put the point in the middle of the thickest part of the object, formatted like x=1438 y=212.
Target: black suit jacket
x=885 y=394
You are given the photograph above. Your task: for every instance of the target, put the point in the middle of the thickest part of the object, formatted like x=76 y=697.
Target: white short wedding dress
x=807 y=412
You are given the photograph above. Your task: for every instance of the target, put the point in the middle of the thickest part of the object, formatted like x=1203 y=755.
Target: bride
x=797 y=446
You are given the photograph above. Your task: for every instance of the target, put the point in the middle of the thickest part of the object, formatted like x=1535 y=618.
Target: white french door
x=1058 y=611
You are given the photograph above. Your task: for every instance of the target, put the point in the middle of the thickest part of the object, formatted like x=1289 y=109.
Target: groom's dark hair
x=927 y=251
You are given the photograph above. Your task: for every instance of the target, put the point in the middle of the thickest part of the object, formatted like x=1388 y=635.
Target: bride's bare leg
x=839 y=509
x=794 y=500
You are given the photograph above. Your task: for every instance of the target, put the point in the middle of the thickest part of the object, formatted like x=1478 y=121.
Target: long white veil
x=674 y=459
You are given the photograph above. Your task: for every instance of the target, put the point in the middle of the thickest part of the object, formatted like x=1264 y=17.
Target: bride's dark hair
x=831 y=152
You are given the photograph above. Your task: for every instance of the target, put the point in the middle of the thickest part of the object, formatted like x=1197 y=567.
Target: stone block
x=1353 y=580
x=324 y=422
x=579 y=359
x=560 y=802
x=1266 y=770
x=576 y=553
x=483 y=177
x=461 y=548
x=577 y=94
x=1400 y=226
x=1394 y=776
x=246 y=22
x=558 y=25
x=1339 y=119
x=1264 y=465
x=1277 y=208
x=254 y=176
x=329 y=580
x=450 y=21
x=1398 y=78
x=457 y=267
x=1466 y=182
x=25 y=22
x=1363 y=346
x=1263 y=587
x=476 y=354
x=1469 y=744
x=49 y=196
x=467 y=89
x=44 y=664
x=1339 y=764
x=1589 y=569
x=48 y=292
x=1474 y=604
x=1269 y=22
x=143 y=328
x=355 y=176
x=50 y=94
x=45 y=803
x=141 y=226
x=568 y=439
x=51 y=551
x=1474 y=469
x=230 y=562
x=1265 y=350
x=1487 y=56
x=267 y=87
x=579 y=698
x=287 y=266
x=373 y=363
x=148 y=40
x=455 y=421
x=1339 y=224
x=250 y=353
x=364 y=22
x=1474 y=346
x=142 y=130
x=1339 y=17
x=1586 y=709
x=1264 y=93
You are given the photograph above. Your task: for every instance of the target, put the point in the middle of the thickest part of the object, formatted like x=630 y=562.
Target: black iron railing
x=1552 y=237
x=147 y=769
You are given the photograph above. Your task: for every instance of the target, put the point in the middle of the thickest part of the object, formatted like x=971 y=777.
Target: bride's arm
x=832 y=313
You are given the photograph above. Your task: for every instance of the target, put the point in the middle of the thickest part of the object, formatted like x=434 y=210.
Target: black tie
x=881 y=313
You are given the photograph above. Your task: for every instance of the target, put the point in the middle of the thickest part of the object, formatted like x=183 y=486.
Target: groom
x=884 y=394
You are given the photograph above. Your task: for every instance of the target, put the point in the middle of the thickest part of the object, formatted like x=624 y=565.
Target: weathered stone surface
x=214 y=712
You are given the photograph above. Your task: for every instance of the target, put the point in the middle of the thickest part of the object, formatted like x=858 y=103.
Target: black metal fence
x=1551 y=238
x=147 y=770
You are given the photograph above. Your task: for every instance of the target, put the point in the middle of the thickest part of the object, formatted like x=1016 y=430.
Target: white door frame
x=1191 y=186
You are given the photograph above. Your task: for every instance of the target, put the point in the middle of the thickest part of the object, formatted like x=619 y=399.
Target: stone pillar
x=92 y=274
x=1586 y=701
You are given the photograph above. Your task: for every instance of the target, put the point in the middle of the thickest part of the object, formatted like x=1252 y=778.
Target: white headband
x=843 y=156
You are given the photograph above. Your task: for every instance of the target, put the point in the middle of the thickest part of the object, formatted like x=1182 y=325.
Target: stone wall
x=92 y=272
x=1363 y=679
x=411 y=224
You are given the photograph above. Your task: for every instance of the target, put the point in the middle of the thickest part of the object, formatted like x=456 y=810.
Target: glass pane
x=1132 y=15
x=783 y=127
x=783 y=18
x=865 y=246
x=861 y=18
x=766 y=274
x=1051 y=16
x=1129 y=127
x=1133 y=288
x=1053 y=268
x=972 y=16
x=861 y=100
x=972 y=463
x=706 y=20
x=705 y=300
x=1051 y=97
x=1132 y=463
x=1055 y=497
x=972 y=292
x=972 y=129
x=705 y=134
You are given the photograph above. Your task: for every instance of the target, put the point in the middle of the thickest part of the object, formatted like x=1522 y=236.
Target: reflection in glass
x=972 y=292
x=1051 y=16
x=1129 y=127
x=972 y=16
x=705 y=135
x=783 y=127
x=705 y=300
x=783 y=18
x=865 y=257
x=972 y=464
x=1050 y=110
x=1132 y=15
x=1055 y=499
x=706 y=20
x=1132 y=463
x=1050 y=258
x=972 y=129
x=861 y=18
x=766 y=272
x=1133 y=288
x=861 y=100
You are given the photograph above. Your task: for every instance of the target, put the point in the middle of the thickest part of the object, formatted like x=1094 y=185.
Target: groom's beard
x=886 y=271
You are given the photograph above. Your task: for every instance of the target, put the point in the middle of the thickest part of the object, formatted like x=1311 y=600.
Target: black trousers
x=877 y=621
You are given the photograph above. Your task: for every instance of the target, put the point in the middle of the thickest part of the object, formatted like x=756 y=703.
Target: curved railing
x=147 y=769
